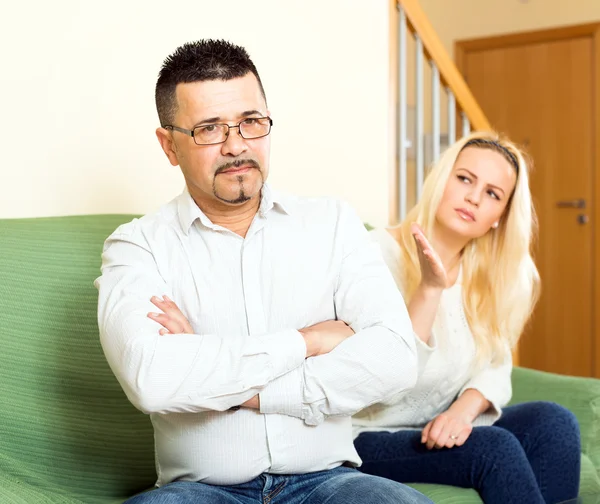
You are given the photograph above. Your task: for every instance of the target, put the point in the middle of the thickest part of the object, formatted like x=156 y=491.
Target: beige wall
x=463 y=19
x=78 y=117
x=76 y=93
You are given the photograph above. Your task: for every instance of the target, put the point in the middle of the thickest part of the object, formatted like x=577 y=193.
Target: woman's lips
x=465 y=214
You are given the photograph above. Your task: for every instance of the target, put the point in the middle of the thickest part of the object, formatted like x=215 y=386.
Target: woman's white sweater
x=446 y=365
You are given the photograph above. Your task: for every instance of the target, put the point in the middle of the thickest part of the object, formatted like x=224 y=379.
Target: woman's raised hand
x=433 y=273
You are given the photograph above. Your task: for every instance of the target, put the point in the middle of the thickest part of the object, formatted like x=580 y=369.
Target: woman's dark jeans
x=531 y=455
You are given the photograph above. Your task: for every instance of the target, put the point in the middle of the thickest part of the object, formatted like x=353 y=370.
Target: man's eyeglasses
x=210 y=134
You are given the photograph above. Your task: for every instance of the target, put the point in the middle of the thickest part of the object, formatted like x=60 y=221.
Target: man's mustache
x=236 y=164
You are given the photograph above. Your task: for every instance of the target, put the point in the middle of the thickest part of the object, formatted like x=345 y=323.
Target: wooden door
x=541 y=94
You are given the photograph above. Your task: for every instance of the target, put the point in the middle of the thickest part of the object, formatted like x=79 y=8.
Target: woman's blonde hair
x=500 y=281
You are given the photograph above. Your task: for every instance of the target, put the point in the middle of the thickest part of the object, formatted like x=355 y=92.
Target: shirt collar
x=188 y=210
x=271 y=199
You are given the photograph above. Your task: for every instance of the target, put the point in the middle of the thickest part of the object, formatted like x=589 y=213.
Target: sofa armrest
x=580 y=395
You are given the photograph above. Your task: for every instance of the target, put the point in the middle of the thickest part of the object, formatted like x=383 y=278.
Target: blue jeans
x=342 y=485
x=531 y=455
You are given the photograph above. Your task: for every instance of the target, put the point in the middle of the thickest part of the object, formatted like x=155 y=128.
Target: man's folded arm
x=377 y=362
x=183 y=372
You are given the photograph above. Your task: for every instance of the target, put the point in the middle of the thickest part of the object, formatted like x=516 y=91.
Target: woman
x=462 y=260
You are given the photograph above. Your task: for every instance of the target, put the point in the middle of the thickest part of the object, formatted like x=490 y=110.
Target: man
x=283 y=318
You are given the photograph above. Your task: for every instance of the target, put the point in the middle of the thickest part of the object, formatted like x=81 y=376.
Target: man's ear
x=165 y=139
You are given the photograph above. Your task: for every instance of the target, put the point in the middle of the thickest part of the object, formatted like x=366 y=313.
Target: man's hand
x=320 y=338
x=323 y=337
x=252 y=403
x=172 y=319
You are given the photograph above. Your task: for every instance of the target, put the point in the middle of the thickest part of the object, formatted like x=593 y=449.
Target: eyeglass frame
x=229 y=128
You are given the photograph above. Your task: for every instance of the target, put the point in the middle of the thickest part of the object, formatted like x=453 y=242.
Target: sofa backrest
x=64 y=420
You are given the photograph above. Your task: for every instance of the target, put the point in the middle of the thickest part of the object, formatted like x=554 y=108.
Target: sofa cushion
x=442 y=494
x=66 y=427
x=590 y=481
x=580 y=395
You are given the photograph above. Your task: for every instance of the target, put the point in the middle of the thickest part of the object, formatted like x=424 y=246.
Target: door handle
x=574 y=203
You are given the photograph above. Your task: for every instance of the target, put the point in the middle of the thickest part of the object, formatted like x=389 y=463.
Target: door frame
x=462 y=47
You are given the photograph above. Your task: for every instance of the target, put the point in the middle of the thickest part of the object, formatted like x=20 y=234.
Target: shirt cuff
x=284 y=395
x=286 y=349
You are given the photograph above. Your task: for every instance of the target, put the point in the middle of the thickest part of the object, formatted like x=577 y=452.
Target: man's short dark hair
x=195 y=62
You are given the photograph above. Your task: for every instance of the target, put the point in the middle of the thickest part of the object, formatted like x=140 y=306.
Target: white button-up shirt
x=303 y=261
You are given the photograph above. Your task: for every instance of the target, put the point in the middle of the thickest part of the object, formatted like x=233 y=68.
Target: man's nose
x=234 y=144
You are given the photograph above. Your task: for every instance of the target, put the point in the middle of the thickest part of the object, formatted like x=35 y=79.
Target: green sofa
x=67 y=432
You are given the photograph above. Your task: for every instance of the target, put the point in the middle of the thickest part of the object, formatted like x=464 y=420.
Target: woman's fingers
x=464 y=435
x=422 y=242
x=451 y=438
x=416 y=229
x=432 y=269
x=436 y=266
x=458 y=435
x=425 y=253
x=445 y=433
x=450 y=434
x=425 y=433
x=436 y=431
x=443 y=438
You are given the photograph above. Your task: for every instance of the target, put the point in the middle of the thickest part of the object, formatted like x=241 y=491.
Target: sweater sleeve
x=494 y=383
x=390 y=250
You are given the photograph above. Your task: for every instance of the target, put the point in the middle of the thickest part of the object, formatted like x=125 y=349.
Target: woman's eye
x=493 y=195
x=462 y=178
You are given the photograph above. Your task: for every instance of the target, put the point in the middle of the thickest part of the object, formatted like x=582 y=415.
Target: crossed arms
x=309 y=376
